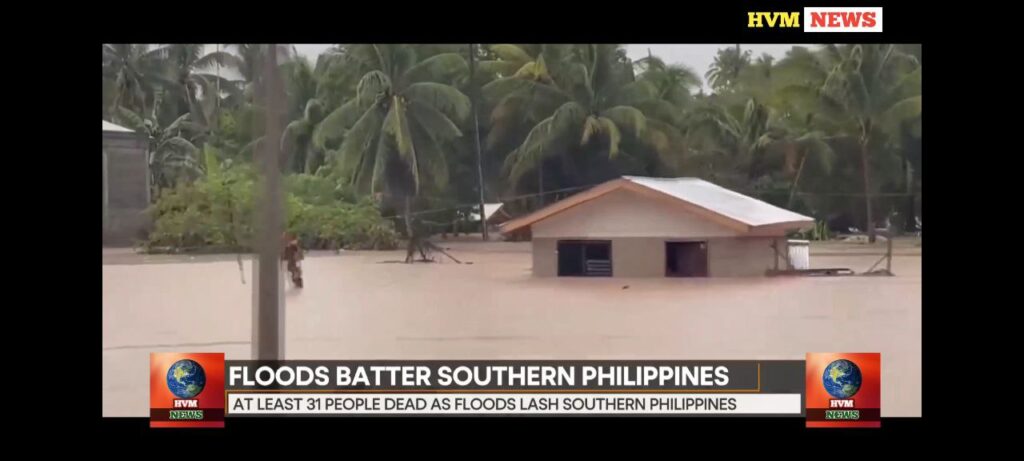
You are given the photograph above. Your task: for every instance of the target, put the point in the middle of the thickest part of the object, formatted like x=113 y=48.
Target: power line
x=753 y=193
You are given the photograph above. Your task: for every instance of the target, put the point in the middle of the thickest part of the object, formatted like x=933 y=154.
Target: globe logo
x=841 y=379
x=186 y=379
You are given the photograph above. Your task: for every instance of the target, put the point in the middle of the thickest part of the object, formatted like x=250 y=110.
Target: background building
x=125 y=185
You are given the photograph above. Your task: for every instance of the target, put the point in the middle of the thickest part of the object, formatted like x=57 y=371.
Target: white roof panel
x=491 y=208
x=748 y=210
x=107 y=126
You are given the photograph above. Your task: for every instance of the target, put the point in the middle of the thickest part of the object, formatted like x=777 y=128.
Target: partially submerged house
x=125 y=185
x=658 y=227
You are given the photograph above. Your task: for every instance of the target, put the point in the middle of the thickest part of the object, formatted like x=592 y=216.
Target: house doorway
x=686 y=259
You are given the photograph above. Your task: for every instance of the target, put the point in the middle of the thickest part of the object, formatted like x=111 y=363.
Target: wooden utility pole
x=473 y=96
x=268 y=285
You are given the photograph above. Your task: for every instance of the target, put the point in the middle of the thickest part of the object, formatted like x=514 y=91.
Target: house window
x=584 y=258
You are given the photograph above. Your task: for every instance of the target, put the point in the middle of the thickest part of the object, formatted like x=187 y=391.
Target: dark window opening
x=584 y=258
x=686 y=259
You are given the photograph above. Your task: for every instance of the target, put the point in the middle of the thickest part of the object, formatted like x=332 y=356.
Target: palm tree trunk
x=867 y=189
x=796 y=181
x=474 y=93
x=411 y=247
x=407 y=216
x=311 y=157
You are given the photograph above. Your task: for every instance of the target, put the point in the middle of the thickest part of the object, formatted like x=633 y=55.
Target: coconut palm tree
x=188 y=81
x=674 y=83
x=396 y=127
x=585 y=96
x=865 y=92
x=726 y=67
x=305 y=111
x=130 y=73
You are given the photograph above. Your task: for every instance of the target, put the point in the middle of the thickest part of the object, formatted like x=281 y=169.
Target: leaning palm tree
x=395 y=129
x=591 y=101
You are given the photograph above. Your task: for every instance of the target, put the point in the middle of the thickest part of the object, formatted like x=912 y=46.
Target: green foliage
x=217 y=211
x=819 y=232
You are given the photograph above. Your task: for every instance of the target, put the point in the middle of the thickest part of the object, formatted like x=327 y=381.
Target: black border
x=79 y=226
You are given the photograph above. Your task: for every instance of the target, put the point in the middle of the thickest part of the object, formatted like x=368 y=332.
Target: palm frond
x=222 y=58
x=591 y=127
x=512 y=53
x=441 y=68
x=433 y=121
x=334 y=126
x=371 y=87
x=355 y=148
x=901 y=111
x=179 y=144
x=396 y=123
x=609 y=128
x=495 y=69
x=378 y=176
x=446 y=99
x=528 y=155
x=430 y=154
x=627 y=117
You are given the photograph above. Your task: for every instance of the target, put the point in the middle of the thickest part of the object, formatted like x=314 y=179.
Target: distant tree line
x=833 y=131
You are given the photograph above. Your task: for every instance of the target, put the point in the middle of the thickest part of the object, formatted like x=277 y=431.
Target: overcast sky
x=697 y=57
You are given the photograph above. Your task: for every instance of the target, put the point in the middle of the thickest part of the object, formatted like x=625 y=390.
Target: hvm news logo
x=820 y=19
x=843 y=390
x=186 y=390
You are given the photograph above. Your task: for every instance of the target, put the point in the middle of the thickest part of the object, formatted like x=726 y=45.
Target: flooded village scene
x=512 y=201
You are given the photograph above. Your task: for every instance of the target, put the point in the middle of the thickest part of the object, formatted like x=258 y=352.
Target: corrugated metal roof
x=489 y=210
x=735 y=205
x=107 y=126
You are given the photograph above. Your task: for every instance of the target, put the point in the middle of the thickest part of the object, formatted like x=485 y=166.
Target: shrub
x=215 y=213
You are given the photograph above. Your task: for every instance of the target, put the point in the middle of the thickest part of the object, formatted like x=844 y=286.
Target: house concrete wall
x=743 y=257
x=645 y=256
x=545 y=257
x=126 y=187
x=625 y=213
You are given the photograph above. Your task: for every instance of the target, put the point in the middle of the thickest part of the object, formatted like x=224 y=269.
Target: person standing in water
x=292 y=255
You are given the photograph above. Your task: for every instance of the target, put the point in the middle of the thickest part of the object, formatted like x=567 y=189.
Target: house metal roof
x=736 y=210
x=746 y=209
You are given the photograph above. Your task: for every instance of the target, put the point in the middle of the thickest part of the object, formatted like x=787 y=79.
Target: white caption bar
x=419 y=404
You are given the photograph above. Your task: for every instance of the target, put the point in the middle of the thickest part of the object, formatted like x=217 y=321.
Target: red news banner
x=186 y=389
x=844 y=390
